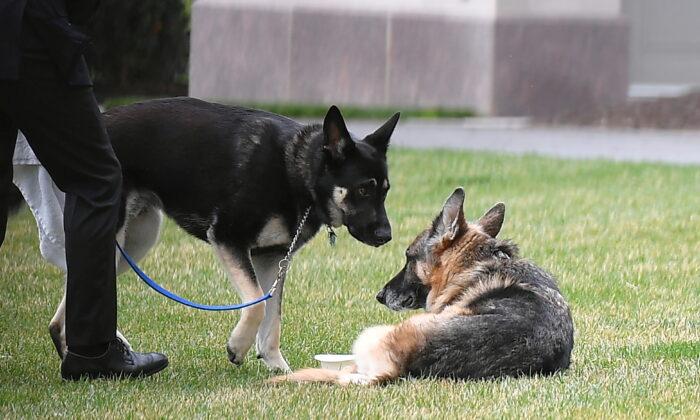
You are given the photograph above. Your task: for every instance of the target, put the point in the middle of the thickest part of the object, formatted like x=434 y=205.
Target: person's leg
x=8 y=136
x=64 y=128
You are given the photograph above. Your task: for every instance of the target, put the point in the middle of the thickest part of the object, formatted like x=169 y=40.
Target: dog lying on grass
x=489 y=313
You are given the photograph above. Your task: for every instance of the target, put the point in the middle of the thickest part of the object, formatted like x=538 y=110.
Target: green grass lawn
x=624 y=240
x=318 y=111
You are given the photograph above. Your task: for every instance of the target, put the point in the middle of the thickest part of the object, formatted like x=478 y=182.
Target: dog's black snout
x=381 y=296
x=408 y=302
x=383 y=234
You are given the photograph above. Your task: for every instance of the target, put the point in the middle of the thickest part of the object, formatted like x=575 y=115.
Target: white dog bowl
x=335 y=361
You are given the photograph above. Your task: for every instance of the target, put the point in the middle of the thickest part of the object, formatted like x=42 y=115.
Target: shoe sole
x=102 y=375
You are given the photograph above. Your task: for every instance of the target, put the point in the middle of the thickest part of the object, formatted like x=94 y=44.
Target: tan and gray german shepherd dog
x=489 y=313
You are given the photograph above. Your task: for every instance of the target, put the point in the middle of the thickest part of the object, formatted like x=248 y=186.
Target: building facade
x=498 y=57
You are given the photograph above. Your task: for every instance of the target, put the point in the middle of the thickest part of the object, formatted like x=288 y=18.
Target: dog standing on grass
x=241 y=180
x=489 y=313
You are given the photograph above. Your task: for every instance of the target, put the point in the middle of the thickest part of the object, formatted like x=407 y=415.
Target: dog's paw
x=234 y=356
x=275 y=363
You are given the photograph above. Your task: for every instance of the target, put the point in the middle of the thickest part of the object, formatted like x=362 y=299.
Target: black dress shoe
x=117 y=362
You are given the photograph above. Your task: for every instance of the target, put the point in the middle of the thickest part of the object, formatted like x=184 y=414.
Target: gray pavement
x=677 y=147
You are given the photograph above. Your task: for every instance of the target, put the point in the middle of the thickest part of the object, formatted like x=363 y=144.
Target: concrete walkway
x=677 y=147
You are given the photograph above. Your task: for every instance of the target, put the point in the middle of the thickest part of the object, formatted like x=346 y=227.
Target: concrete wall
x=665 y=42
x=546 y=66
x=582 y=9
x=495 y=56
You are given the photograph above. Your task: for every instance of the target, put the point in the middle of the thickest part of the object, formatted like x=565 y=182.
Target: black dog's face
x=355 y=184
x=408 y=289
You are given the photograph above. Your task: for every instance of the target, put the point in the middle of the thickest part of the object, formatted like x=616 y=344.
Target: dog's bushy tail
x=338 y=377
x=345 y=377
x=309 y=375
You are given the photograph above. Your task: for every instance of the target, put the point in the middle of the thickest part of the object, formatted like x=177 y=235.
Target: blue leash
x=170 y=295
x=283 y=268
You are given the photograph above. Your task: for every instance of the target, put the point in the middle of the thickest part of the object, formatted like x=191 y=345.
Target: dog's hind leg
x=268 y=338
x=138 y=235
x=240 y=271
x=57 y=327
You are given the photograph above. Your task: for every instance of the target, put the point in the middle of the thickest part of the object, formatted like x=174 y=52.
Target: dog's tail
x=345 y=376
x=309 y=375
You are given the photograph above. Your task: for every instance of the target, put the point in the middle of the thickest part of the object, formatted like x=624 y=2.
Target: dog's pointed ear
x=337 y=140
x=492 y=220
x=380 y=138
x=451 y=220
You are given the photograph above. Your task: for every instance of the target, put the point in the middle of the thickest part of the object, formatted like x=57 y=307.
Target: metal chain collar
x=286 y=263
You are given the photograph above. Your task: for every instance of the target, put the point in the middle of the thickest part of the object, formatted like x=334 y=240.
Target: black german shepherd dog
x=241 y=179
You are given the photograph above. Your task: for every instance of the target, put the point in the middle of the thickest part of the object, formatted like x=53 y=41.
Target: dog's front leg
x=268 y=338
x=240 y=270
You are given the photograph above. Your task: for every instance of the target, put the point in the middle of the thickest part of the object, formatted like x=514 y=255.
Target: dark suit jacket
x=11 y=12
x=37 y=38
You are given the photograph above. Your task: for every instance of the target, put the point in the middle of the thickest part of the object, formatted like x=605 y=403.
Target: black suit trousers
x=64 y=128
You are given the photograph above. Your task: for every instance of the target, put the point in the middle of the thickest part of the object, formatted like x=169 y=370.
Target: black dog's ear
x=337 y=138
x=380 y=138
x=492 y=220
x=451 y=218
